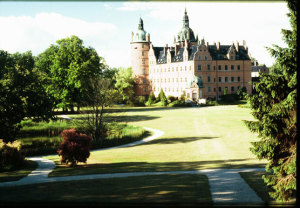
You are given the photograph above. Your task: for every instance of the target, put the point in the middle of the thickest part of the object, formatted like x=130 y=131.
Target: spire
x=141 y=24
x=185 y=19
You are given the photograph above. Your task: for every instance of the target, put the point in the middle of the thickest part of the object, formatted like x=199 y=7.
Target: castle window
x=232 y=79
x=144 y=71
x=238 y=67
x=220 y=67
x=208 y=89
x=181 y=68
x=144 y=89
x=168 y=69
x=220 y=89
x=232 y=89
x=214 y=89
x=185 y=68
x=143 y=45
x=199 y=67
x=142 y=53
x=226 y=79
x=143 y=61
x=220 y=79
x=231 y=57
x=205 y=57
x=214 y=67
x=208 y=78
x=239 y=79
x=226 y=67
x=214 y=79
x=208 y=66
x=172 y=69
x=232 y=67
x=199 y=58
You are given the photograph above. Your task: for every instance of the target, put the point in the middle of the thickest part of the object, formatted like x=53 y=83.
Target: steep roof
x=220 y=54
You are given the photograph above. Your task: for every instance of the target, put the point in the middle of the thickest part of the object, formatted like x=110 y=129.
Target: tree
x=67 y=68
x=101 y=95
x=163 y=98
x=151 y=99
x=124 y=84
x=274 y=106
x=21 y=93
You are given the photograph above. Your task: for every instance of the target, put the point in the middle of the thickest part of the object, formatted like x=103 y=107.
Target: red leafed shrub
x=75 y=147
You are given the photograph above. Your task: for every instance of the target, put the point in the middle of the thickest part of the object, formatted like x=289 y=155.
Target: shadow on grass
x=179 y=188
x=127 y=167
x=122 y=118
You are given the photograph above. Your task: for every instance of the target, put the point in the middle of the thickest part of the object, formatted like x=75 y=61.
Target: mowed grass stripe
x=195 y=138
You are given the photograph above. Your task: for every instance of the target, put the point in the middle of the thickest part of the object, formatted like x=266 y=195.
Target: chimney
x=207 y=44
x=176 y=49
x=218 y=45
x=214 y=43
x=131 y=36
x=165 y=49
x=244 y=43
x=237 y=46
x=185 y=43
x=148 y=37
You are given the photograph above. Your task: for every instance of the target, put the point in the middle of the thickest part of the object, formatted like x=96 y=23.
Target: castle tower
x=140 y=45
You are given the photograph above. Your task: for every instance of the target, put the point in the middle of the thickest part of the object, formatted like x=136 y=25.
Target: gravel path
x=226 y=185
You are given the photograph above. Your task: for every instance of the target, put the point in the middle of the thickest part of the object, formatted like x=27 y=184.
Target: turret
x=140 y=46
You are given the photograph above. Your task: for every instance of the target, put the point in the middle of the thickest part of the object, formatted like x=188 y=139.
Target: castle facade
x=190 y=67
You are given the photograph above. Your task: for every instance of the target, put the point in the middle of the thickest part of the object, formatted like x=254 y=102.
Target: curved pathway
x=226 y=185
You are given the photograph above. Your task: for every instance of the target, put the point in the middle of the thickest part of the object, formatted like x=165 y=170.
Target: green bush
x=74 y=148
x=171 y=99
x=180 y=103
x=229 y=98
x=139 y=101
x=10 y=155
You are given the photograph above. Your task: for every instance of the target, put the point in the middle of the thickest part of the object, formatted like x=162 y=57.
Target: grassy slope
x=195 y=138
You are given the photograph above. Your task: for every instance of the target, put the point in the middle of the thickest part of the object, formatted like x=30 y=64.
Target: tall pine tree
x=274 y=106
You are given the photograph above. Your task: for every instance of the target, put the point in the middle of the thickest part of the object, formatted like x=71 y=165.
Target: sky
x=106 y=26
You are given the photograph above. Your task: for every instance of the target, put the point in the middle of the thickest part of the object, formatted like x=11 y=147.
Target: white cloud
x=36 y=33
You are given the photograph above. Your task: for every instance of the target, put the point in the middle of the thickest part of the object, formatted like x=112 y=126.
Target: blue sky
x=107 y=26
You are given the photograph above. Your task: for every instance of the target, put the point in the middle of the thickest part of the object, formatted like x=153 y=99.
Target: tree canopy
x=67 y=66
x=21 y=93
x=274 y=106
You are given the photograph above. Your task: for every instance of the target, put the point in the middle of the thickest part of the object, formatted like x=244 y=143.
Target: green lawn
x=183 y=188
x=195 y=138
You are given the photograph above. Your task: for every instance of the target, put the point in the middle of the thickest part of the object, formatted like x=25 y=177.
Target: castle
x=190 y=67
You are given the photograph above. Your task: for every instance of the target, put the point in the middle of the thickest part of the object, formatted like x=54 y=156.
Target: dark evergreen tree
x=274 y=106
